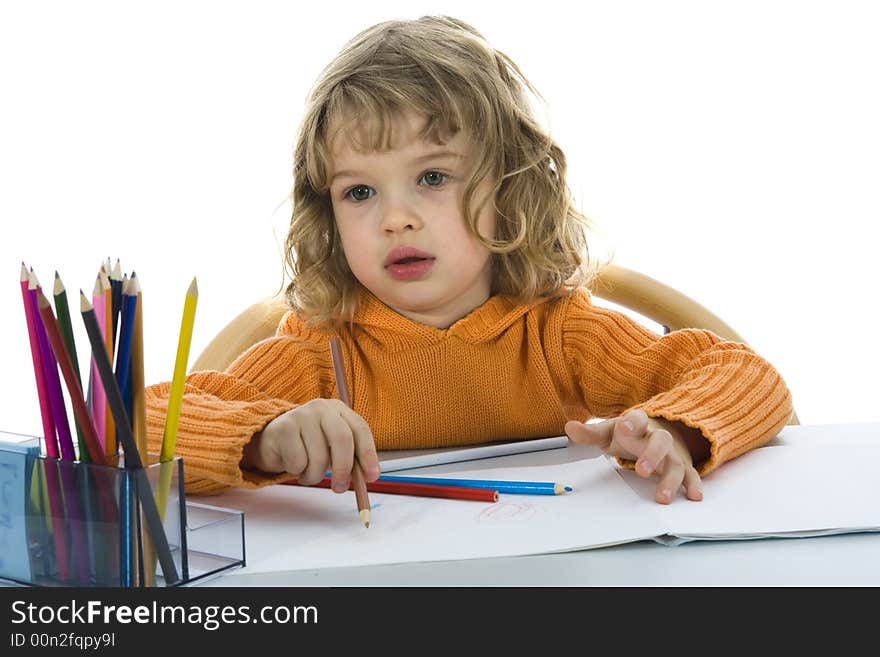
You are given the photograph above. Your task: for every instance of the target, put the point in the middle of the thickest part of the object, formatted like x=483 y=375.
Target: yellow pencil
x=176 y=395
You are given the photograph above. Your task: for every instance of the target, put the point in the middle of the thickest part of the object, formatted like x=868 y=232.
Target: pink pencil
x=45 y=408
x=99 y=401
x=56 y=504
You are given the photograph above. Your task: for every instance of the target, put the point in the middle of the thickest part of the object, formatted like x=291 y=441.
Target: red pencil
x=64 y=361
x=45 y=409
x=419 y=490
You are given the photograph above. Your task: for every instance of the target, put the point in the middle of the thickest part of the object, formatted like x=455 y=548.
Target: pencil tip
x=365 y=517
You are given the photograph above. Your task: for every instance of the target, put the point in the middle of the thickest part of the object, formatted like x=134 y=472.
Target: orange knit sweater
x=506 y=371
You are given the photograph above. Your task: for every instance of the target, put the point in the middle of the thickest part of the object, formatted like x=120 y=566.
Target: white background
x=729 y=149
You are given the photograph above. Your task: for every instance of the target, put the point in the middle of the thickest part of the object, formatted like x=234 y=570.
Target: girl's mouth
x=411 y=268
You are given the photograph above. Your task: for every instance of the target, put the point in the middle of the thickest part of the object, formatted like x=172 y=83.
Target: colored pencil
x=138 y=403
x=45 y=408
x=74 y=516
x=392 y=463
x=132 y=458
x=53 y=381
x=175 y=397
x=358 y=481
x=123 y=350
x=53 y=487
x=139 y=423
x=62 y=311
x=93 y=447
x=514 y=487
x=76 y=520
x=115 y=301
x=128 y=538
x=98 y=403
x=419 y=490
x=74 y=503
x=111 y=446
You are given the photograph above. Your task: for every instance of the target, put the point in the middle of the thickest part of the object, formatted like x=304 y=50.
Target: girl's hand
x=309 y=440
x=657 y=446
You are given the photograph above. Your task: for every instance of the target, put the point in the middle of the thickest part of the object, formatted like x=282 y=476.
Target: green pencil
x=63 y=313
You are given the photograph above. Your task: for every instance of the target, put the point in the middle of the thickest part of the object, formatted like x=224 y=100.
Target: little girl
x=433 y=233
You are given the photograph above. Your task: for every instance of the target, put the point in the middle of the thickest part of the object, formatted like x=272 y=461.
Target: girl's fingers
x=364 y=445
x=693 y=485
x=340 y=442
x=657 y=446
x=621 y=436
x=316 y=448
x=597 y=434
x=670 y=482
x=291 y=451
x=632 y=436
x=630 y=431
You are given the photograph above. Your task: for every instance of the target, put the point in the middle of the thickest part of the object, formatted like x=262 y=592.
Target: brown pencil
x=81 y=413
x=358 y=481
x=138 y=404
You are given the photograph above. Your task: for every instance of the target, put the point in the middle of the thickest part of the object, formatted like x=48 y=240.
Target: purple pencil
x=53 y=380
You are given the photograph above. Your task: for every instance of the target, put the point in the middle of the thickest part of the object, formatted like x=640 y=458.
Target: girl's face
x=401 y=220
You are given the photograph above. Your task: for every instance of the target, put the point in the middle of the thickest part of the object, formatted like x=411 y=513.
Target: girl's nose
x=400 y=215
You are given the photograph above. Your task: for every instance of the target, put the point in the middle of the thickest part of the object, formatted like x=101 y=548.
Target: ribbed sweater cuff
x=735 y=413
x=211 y=435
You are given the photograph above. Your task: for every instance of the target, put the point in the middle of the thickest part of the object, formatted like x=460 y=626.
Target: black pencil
x=115 y=299
x=123 y=429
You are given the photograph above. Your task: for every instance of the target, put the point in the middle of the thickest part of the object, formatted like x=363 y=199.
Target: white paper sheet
x=293 y=527
x=780 y=490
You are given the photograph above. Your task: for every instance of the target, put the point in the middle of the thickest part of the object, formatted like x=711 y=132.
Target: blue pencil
x=512 y=487
x=128 y=308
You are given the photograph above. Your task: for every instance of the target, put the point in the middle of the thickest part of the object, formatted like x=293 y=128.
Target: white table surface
x=840 y=560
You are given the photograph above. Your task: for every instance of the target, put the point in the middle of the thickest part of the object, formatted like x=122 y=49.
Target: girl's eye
x=359 y=193
x=434 y=178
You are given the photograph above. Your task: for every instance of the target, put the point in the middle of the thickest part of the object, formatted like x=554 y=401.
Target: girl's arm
x=221 y=411
x=724 y=390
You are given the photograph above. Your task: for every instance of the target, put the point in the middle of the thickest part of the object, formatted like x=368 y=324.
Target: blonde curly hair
x=443 y=69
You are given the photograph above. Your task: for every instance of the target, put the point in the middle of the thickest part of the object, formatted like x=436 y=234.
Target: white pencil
x=472 y=453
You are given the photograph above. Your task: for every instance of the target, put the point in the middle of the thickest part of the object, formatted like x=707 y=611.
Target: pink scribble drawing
x=507 y=510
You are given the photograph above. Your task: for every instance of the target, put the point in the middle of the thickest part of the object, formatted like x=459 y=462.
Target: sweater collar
x=482 y=324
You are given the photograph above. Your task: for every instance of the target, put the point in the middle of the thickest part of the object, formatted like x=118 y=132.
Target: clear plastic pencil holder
x=68 y=523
